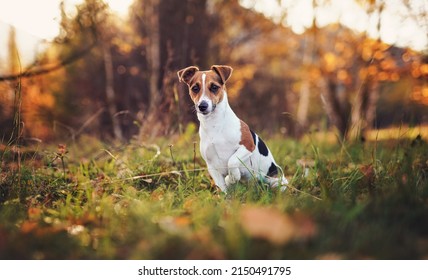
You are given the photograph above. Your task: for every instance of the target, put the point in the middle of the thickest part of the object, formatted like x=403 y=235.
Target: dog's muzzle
x=203 y=107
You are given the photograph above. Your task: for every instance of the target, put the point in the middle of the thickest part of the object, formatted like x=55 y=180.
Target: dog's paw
x=233 y=177
x=229 y=180
x=279 y=183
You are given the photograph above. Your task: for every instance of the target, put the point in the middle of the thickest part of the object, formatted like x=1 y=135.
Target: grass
x=144 y=201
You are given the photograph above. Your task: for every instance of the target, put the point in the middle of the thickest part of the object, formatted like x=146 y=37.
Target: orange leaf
x=267 y=223
x=28 y=227
x=34 y=213
x=306 y=227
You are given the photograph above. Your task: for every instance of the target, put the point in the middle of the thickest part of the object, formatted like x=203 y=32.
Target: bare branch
x=47 y=69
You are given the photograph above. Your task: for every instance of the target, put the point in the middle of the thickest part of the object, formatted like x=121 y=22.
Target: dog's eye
x=214 y=88
x=196 y=88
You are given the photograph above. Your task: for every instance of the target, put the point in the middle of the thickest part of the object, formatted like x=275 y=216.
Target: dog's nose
x=203 y=106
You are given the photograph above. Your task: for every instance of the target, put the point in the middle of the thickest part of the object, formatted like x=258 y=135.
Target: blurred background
x=108 y=68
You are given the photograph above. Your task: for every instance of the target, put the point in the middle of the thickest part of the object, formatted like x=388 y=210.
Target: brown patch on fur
x=186 y=74
x=218 y=75
x=246 y=137
x=223 y=71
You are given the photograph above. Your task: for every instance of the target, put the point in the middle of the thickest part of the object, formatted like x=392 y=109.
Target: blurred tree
x=175 y=35
x=347 y=70
x=88 y=99
x=7 y=90
x=129 y=72
x=366 y=97
x=309 y=43
x=262 y=55
x=23 y=100
x=13 y=53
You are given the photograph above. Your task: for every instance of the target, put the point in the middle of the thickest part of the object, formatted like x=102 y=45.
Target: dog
x=230 y=149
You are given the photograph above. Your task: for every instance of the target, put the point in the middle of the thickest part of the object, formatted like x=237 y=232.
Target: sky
x=38 y=20
x=37 y=23
x=397 y=27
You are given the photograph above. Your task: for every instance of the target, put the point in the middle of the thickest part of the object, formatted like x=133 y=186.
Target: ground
x=91 y=200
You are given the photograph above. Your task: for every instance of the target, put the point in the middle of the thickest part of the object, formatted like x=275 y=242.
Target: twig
x=194 y=162
x=172 y=156
x=88 y=121
x=308 y=194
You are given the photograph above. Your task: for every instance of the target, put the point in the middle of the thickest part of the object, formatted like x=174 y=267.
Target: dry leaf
x=276 y=227
x=175 y=225
x=28 y=227
x=182 y=221
x=267 y=223
x=188 y=204
x=157 y=195
x=305 y=226
x=34 y=213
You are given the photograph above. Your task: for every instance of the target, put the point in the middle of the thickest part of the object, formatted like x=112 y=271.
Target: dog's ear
x=186 y=74
x=223 y=71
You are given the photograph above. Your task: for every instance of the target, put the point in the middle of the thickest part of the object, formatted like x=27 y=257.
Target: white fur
x=228 y=161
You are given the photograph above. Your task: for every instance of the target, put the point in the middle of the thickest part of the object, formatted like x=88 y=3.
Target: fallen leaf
x=276 y=227
x=175 y=225
x=182 y=221
x=157 y=195
x=305 y=226
x=188 y=204
x=34 y=213
x=28 y=227
x=267 y=223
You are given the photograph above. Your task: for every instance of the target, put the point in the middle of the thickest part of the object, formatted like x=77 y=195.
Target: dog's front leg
x=235 y=161
x=218 y=178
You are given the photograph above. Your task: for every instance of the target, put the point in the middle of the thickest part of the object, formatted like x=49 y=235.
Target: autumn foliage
x=115 y=79
x=98 y=140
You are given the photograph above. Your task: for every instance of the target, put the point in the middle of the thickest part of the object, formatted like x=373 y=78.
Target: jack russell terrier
x=231 y=150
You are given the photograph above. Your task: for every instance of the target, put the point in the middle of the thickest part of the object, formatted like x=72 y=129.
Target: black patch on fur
x=273 y=170
x=254 y=136
x=262 y=148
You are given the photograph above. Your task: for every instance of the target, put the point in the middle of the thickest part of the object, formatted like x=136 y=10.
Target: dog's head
x=206 y=88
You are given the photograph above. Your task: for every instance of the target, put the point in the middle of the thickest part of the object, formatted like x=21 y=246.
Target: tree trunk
x=302 y=108
x=307 y=61
x=357 y=119
x=372 y=104
x=171 y=47
x=153 y=51
x=110 y=94
x=151 y=14
x=364 y=109
x=336 y=111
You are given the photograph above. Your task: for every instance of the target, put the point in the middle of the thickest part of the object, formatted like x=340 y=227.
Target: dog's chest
x=218 y=150
x=218 y=146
